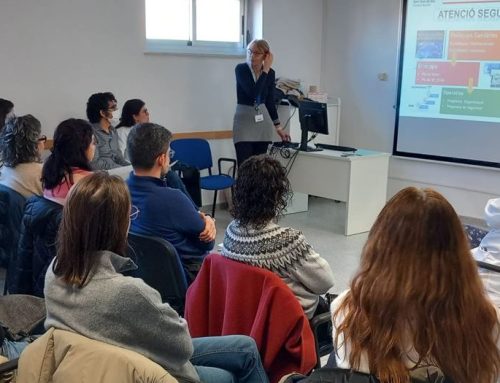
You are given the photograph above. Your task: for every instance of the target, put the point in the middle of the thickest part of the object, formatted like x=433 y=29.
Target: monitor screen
x=313 y=117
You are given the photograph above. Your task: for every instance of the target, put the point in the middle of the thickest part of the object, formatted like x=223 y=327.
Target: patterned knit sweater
x=285 y=252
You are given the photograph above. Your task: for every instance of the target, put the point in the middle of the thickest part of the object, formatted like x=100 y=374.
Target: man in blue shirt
x=162 y=211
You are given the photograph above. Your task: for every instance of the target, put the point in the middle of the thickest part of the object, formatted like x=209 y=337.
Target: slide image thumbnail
x=429 y=44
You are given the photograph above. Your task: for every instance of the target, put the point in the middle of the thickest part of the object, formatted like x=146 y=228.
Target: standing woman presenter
x=256 y=112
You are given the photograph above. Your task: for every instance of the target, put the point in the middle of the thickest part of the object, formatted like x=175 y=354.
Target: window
x=195 y=26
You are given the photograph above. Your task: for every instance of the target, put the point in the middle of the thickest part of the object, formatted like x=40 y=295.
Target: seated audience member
x=68 y=163
x=86 y=293
x=416 y=306
x=6 y=111
x=489 y=251
x=260 y=195
x=21 y=146
x=100 y=109
x=135 y=112
x=73 y=150
x=165 y=212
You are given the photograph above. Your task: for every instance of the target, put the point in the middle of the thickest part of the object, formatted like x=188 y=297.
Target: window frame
x=200 y=47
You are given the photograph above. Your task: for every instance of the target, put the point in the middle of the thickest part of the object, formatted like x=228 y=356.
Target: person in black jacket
x=69 y=162
x=37 y=246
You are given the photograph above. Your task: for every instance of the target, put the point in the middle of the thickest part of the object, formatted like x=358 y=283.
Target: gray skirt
x=246 y=129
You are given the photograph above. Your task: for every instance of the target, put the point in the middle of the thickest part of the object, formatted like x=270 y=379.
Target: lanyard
x=257 y=101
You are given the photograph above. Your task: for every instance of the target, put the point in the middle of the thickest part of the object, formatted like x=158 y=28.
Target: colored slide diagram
x=457 y=73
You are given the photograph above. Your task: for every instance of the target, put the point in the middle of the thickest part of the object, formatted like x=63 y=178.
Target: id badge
x=259 y=117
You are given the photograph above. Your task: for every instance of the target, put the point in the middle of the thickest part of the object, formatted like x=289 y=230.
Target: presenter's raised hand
x=268 y=62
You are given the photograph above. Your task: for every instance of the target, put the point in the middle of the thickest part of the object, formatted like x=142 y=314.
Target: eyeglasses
x=134 y=212
x=42 y=138
x=254 y=53
x=171 y=153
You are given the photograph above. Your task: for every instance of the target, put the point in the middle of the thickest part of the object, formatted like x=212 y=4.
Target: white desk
x=360 y=181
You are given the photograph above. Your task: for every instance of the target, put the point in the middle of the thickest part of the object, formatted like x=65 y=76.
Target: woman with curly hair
x=416 y=307
x=21 y=146
x=260 y=196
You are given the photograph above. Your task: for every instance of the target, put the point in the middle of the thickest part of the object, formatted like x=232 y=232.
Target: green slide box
x=480 y=102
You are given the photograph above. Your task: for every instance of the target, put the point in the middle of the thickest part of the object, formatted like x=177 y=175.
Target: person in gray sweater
x=260 y=195
x=86 y=293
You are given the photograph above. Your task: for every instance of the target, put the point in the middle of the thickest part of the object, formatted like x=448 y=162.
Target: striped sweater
x=285 y=252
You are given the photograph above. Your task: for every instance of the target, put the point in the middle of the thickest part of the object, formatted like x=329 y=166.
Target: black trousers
x=248 y=149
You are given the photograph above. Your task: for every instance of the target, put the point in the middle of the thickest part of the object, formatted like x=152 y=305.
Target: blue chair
x=196 y=152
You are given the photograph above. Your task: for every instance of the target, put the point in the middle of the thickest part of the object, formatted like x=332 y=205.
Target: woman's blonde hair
x=260 y=44
x=418 y=285
x=95 y=218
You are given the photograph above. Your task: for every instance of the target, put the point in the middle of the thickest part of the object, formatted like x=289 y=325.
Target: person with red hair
x=416 y=307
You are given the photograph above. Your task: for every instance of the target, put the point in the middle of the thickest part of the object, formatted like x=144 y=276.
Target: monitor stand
x=303 y=144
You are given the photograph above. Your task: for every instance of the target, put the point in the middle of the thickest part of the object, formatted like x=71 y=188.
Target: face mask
x=114 y=120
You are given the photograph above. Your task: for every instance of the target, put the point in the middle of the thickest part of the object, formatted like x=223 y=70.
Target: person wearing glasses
x=68 y=163
x=163 y=211
x=135 y=112
x=6 y=111
x=101 y=108
x=86 y=292
x=256 y=112
x=21 y=147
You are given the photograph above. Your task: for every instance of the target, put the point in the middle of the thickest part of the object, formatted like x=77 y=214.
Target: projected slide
x=452 y=61
x=450 y=71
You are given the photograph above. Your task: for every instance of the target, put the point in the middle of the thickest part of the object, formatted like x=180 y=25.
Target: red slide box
x=447 y=73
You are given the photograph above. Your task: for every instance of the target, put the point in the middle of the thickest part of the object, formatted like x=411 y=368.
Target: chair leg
x=215 y=201
x=5 y=286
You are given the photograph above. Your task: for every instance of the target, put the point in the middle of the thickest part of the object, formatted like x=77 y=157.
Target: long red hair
x=418 y=284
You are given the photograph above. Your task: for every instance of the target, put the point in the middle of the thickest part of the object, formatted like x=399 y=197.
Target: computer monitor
x=313 y=117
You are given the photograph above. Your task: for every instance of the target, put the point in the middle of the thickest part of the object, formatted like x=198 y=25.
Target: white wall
x=361 y=41
x=56 y=53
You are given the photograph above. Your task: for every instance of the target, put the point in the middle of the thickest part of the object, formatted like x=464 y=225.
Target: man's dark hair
x=145 y=143
x=261 y=192
x=96 y=103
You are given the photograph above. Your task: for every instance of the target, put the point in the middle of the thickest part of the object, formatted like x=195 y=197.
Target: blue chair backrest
x=160 y=267
x=193 y=151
